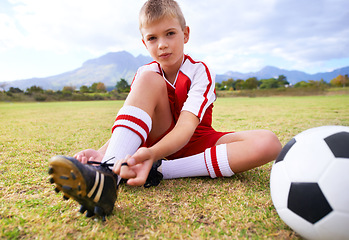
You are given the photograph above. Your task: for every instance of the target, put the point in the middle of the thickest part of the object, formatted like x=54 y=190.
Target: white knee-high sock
x=212 y=162
x=129 y=132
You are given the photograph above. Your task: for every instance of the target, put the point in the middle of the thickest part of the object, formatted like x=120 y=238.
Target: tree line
x=98 y=90
x=279 y=82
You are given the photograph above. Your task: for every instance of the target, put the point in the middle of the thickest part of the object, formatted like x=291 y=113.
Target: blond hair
x=154 y=10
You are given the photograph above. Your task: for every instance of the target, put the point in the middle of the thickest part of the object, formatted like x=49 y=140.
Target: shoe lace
x=102 y=164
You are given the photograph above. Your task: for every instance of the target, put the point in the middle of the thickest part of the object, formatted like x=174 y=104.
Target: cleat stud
x=89 y=213
x=52 y=180
x=57 y=190
x=99 y=211
x=65 y=197
x=64 y=177
x=82 y=209
x=50 y=170
x=73 y=175
x=66 y=188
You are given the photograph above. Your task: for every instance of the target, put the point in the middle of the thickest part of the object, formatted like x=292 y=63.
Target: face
x=165 y=41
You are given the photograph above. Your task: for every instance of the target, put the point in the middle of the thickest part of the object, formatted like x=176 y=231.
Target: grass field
x=197 y=208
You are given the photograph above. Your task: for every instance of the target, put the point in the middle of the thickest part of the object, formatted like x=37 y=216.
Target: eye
x=150 y=39
x=171 y=33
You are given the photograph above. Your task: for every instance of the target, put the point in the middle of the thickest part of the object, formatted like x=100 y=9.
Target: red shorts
x=201 y=140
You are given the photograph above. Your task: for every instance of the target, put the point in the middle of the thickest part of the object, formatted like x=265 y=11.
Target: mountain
x=108 y=69
x=113 y=66
x=292 y=76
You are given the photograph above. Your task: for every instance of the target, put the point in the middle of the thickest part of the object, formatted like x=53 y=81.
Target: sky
x=41 y=38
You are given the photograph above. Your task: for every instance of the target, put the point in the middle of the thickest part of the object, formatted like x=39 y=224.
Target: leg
x=95 y=187
x=233 y=153
x=149 y=93
x=145 y=115
x=250 y=149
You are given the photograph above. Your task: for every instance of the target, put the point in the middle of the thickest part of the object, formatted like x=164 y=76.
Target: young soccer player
x=167 y=114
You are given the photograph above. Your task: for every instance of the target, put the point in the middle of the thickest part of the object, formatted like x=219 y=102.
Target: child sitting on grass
x=167 y=114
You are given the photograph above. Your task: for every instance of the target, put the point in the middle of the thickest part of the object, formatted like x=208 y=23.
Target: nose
x=162 y=44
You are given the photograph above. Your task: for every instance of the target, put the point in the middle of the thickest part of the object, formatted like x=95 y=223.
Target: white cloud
x=64 y=25
x=231 y=35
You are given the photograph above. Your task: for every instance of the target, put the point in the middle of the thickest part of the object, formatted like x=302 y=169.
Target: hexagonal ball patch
x=339 y=144
x=307 y=201
x=285 y=150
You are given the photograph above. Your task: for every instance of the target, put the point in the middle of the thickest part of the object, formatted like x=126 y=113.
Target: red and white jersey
x=193 y=90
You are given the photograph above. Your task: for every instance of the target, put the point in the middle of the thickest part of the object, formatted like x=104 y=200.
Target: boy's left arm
x=141 y=162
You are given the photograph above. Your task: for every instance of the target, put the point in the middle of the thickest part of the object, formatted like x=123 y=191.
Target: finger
x=140 y=156
x=127 y=173
x=84 y=160
x=117 y=165
x=77 y=157
x=116 y=168
x=142 y=175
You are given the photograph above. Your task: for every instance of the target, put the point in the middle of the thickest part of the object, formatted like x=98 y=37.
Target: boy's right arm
x=91 y=154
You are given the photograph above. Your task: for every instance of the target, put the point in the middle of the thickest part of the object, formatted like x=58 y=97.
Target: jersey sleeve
x=149 y=67
x=202 y=90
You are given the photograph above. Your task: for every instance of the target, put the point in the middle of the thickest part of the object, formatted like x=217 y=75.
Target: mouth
x=164 y=55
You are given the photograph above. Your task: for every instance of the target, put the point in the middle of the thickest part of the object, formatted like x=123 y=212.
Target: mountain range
x=113 y=66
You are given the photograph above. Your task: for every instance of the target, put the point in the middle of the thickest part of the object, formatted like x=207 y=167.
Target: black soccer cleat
x=94 y=187
x=154 y=177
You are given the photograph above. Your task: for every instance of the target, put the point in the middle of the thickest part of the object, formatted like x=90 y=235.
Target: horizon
x=135 y=56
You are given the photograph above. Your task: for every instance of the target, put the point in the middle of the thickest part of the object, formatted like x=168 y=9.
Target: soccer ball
x=309 y=183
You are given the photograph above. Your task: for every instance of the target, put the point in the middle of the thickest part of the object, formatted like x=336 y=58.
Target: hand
x=88 y=155
x=138 y=167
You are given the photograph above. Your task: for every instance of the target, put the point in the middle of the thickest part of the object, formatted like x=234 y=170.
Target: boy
x=168 y=113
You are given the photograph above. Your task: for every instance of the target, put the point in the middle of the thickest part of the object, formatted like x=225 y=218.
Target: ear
x=144 y=43
x=186 y=34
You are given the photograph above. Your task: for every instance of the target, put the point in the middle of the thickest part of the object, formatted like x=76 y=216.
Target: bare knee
x=149 y=80
x=267 y=145
x=147 y=91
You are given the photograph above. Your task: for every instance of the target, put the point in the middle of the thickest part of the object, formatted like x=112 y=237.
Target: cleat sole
x=65 y=197
x=68 y=175
x=82 y=209
x=89 y=214
x=73 y=176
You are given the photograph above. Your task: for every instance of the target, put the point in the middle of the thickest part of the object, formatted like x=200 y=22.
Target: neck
x=171 y=72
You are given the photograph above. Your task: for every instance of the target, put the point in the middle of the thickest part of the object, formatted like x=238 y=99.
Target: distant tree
x=282 y=81
x=251 y=83
x=301 y=84
x=269 y=83
x=311 y=84
x=228 y=84
x=15 y=90
x=84 y=89
x=340 y=81
x=98 y=87
x=239 y=84
x=34 y=89
x=122 y=86
x=68 y=89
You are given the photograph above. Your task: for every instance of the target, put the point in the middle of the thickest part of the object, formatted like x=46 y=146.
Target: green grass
x=237 y=207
